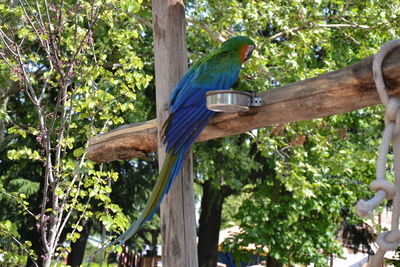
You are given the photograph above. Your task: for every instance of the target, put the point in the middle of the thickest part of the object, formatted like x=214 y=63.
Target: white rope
x=388 y=240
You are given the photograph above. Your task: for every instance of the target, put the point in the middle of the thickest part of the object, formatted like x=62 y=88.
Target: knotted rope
x=388 y=240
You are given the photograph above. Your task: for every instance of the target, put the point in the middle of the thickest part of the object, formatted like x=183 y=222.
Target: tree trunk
x=3 y=124
x=271 y=262
x=277 y=192
x=209 y=225
x=75 y=258
x=37 y=246
x=33 y=232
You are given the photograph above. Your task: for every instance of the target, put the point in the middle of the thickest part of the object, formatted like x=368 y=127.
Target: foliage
x=319 y=171
x=77 y=68
x=307 y=171
x=10 y=243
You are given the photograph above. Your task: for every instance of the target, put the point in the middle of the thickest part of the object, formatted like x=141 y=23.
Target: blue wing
x=188 y=103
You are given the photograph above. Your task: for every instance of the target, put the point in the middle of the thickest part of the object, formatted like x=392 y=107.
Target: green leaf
x=78 y=152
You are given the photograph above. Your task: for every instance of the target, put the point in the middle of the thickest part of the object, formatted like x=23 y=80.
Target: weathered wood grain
x=178 y=222
x=340 y=91
x=123 y=143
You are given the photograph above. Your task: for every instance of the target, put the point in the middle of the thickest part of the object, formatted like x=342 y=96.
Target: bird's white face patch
x=249 y=50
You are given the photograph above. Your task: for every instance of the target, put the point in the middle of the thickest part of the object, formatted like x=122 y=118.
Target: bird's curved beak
x=249 y=51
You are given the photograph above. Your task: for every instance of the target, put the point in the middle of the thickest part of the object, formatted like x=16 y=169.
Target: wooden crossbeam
x=340 y=91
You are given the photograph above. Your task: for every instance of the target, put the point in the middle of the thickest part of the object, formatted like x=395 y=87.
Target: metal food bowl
x=228 y=101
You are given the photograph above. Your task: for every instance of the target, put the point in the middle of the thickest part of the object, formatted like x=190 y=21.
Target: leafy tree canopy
x=305 y=173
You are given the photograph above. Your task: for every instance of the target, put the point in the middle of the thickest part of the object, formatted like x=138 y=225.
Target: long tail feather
x=182 y=141
x=163 y=183
x=175 y=170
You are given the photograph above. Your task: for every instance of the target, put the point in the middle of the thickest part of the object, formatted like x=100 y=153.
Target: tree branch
x=214 y=35
x=335 y=92
x=20 y=245
x=19 y=202
x=143 y=20
x=365 y=27
x=313 y=24
x=33 y=26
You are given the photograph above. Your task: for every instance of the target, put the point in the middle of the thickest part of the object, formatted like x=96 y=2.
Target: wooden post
x=178 y=225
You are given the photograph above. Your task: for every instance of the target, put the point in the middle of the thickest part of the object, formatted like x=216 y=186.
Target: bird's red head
x=241 y=44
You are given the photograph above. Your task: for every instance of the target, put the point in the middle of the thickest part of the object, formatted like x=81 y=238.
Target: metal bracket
x=256 y=102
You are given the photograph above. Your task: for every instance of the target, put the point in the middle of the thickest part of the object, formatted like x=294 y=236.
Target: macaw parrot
x=189 y=115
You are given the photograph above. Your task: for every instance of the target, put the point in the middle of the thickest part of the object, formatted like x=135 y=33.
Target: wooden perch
x=340 y=91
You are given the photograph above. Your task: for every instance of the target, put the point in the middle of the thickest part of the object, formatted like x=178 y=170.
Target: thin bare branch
x=142 y=20
x=40 y=17
x=312 y=24
x=33 y=14
x=58 y=221
x=71 y=185
x=65 y=220
x=47 y=145
x=93 y=20
x=51 y=33
x=54 y=218
x=40 y=21
x=33 y=26
x=31 y=93
x=46 y=82
x=23 y=205
x=215 y=36
x=6 y=60
x=366 y=27
x=20 y=245
x=351 y=38
x=5 y=40
x=284 y=33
